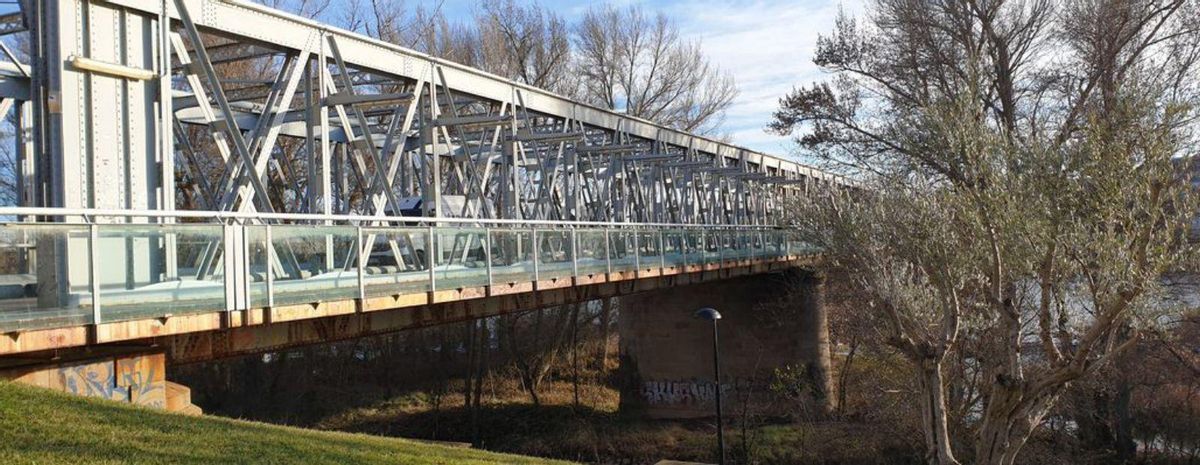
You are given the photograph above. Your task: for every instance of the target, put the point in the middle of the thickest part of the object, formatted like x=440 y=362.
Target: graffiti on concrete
x=92 y=380
x=693 y=392
x=128 y=380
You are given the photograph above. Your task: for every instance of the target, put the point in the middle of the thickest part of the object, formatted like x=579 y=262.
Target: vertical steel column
x=323 y=85
x=164 y=135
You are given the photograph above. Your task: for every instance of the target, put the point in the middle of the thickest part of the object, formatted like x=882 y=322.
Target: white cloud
x=767 y=45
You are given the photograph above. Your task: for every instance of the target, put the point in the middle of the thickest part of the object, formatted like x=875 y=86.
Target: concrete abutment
x=135 y=376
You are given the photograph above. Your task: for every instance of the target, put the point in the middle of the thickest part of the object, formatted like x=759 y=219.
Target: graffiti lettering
x=694 y=392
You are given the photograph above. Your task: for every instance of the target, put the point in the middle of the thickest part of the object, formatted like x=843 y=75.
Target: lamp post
x=713 y=315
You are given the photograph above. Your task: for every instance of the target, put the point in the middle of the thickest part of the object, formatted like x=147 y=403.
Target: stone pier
x=666 y=353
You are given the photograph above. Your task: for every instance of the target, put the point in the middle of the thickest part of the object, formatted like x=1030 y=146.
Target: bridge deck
x=111 y=278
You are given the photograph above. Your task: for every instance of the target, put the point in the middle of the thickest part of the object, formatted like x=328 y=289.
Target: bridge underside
x=209 y=335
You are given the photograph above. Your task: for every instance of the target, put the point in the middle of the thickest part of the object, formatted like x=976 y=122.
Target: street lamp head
x=710 y=314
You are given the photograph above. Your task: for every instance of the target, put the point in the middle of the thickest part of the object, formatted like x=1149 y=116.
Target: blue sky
x=766 y=44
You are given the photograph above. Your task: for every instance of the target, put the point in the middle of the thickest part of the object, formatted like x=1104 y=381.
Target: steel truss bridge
x=180 y=159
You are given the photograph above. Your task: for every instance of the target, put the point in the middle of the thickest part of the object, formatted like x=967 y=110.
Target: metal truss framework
x=262 y=111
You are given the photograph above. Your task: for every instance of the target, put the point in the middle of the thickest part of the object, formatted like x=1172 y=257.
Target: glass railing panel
x=622 y=250
x=694 y=246
x=774 y=242
x=797 y=245
x=556 y=255
x=397 y=261
x=593 y=253
x=512 y=255
x=150 y=270
x=460 y=259
x=44 y=276
x=714 y=245
x=674 y=250
x=709 y=246
x=308 y=263
x=758 y=247
x=742 y=244
x=650 y=248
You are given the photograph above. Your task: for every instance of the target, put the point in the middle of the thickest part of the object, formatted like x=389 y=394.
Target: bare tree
x=1027 y=169
x=533 y=341
x=305 y=8
x=631 y=61
x=528 y=44
x=421 y=29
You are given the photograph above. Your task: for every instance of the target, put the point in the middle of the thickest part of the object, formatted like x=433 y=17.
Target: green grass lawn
x=42 y=426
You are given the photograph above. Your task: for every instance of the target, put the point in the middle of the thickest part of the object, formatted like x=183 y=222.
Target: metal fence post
x=244 y=260
x=637 y=254
x=431 y=259
x=228 y=275
x=608 y=249
x=536 y=258
x=720 y=251
x=662 y=251
x=683 y=248
x=575 y=252
x=487 y=254
x=270 y=272
x=94 y=271
x=362 y=268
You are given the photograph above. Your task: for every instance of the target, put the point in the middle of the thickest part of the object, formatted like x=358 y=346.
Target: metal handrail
x=87 y=214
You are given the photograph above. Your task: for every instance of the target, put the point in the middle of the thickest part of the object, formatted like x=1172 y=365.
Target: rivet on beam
x=112 y=69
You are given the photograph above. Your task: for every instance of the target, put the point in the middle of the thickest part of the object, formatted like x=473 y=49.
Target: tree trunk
x=469 y=379
x=1123 y=418
x=938 y=450
x=844 y=375
x=575 y=353
x=605 y=324
x=1007 y=422
x=481 y=349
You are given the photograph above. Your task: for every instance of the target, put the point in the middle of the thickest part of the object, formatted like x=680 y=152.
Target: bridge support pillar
x=666 y=353
x=137 y=377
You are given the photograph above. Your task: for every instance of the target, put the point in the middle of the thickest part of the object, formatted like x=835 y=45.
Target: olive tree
x=1027 y=178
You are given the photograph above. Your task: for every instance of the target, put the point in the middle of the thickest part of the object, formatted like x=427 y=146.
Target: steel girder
x=259 y=110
